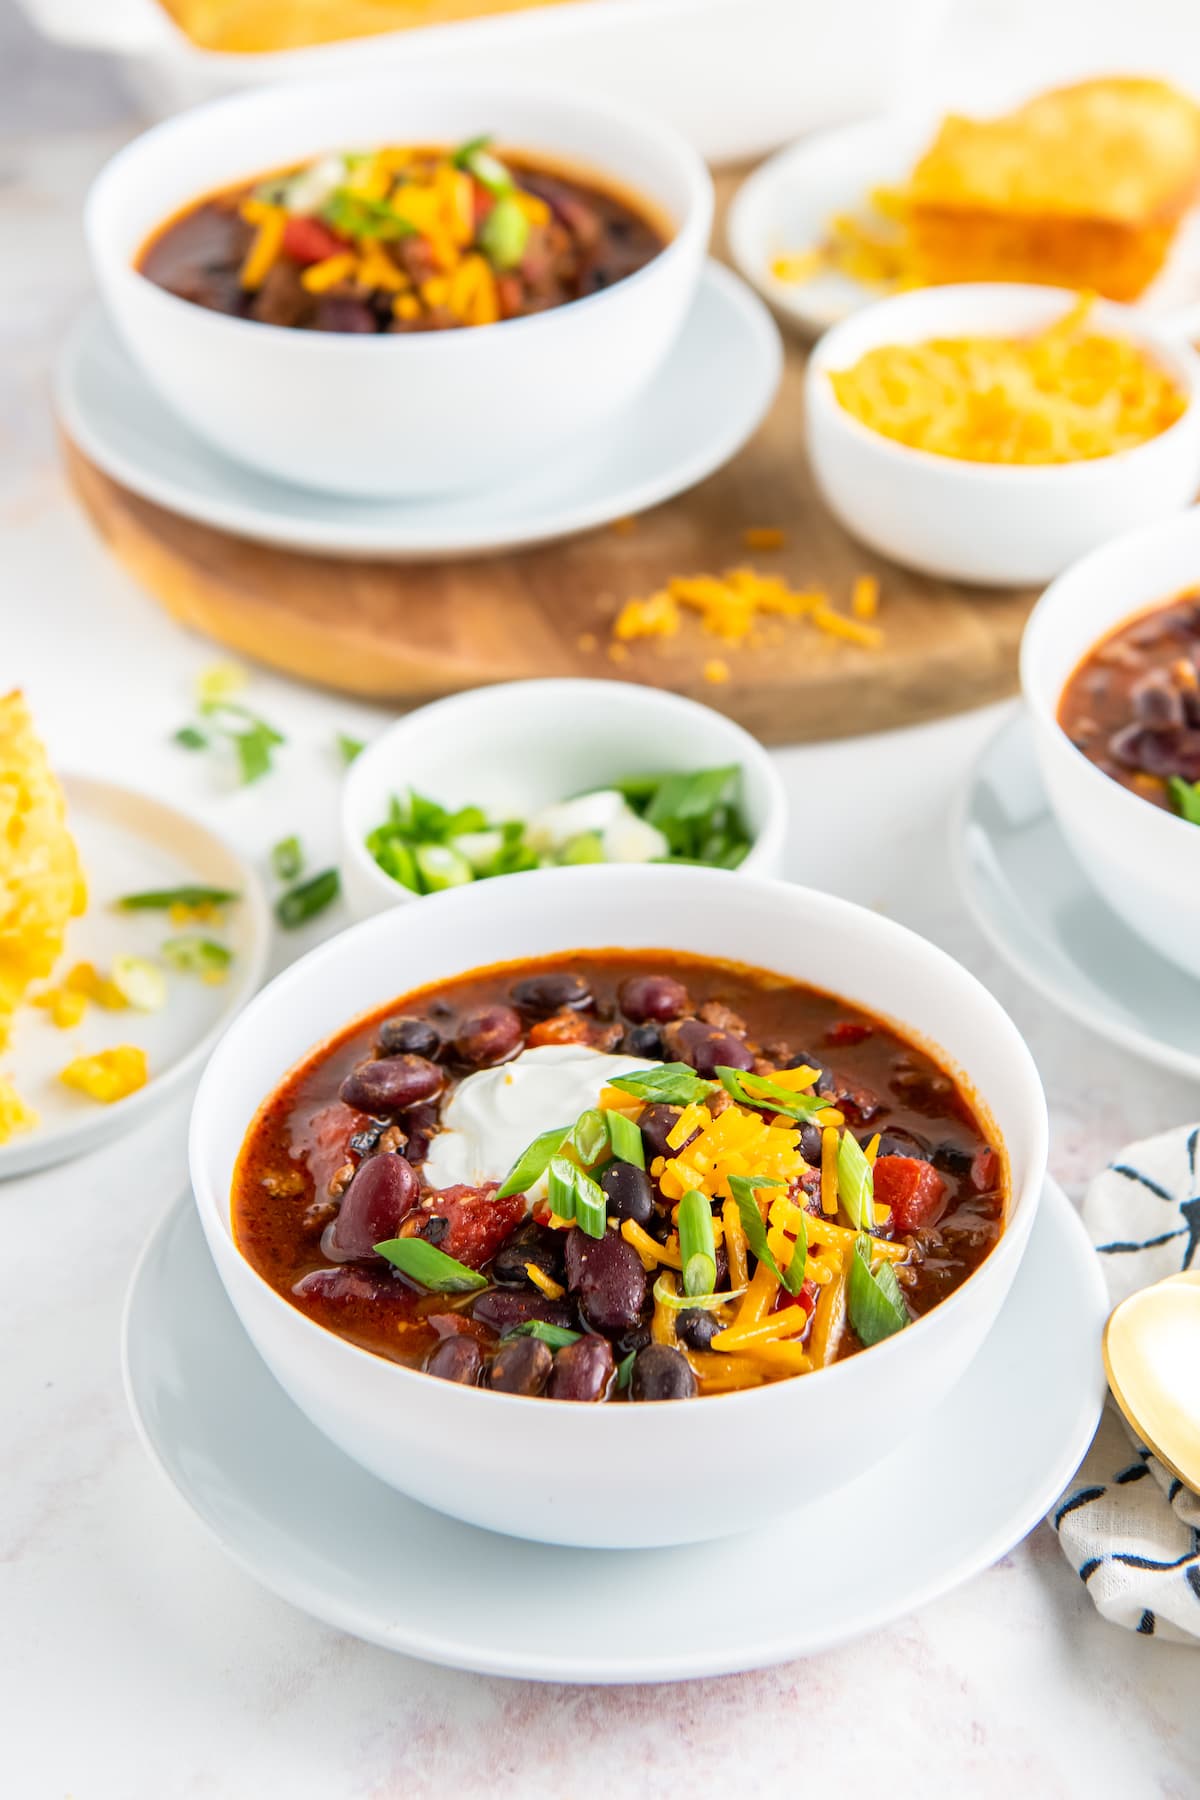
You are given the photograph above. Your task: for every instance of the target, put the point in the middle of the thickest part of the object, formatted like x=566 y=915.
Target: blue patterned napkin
x=1129 y=1526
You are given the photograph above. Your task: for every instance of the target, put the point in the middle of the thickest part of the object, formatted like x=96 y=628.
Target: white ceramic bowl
x=422 y=413
x=620 y=1475
x=1143 y=861
x=982 y=522
x=525 y=744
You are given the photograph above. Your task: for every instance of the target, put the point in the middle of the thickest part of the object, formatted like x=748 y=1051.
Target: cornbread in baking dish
x=248 y=27
x=1083 y=186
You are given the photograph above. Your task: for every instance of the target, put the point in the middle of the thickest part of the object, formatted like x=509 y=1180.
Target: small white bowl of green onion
x=548 y=774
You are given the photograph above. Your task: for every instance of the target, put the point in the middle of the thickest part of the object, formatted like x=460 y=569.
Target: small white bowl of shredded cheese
x=554 y=755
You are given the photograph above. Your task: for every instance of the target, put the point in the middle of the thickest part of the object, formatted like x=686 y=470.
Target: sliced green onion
x=190 y=737
x=669 y=1296
x=557 y=1336
x=162 y=899
x=349 y=747
x=697 y=1245
x=589 y=1136
x=440 y=867
x=532 y=1163
x=142 y=983
x=1185 y=798
x=625 y=1140
x=287 y=858
x=743 y=1188
x=302 y=903
x=793 y=1275
x=193 y=954
x=574 y=1195
x=396 y=860
x=252 y=738
x=588 y=847
x=873 y=1300
x=855 y=1182
x=504 y=233
x=692 y=796
x=487 y=169
x=430 y=1267
x=757 y=1090
x=625 y=1370
x=674 y=1083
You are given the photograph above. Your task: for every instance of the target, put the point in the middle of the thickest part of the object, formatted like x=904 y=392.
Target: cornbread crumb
x=764 y=537
x=623 y=527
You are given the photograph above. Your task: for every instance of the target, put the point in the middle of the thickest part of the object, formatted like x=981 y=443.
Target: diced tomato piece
x=510 y=293
x=848 y=1031
x=322 y=1141
x=913 y=1190
x=559 y=1028
x=476 y=1222
x=308 y=241
x=985 y=1167
x=483 y=201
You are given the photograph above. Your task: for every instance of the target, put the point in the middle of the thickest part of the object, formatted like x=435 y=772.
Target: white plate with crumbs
x=315 y=1528
x=785 y=207
x=710 y=395
x=1031 y=897
x=130 y=843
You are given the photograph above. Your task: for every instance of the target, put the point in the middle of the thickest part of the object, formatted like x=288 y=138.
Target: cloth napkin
x=1130 y=1527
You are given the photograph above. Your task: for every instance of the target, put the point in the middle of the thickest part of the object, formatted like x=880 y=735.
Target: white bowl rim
x=1069 y=591
x=697 y=215
x=1011 y=1243
x=765 y=847
x=1175 y=353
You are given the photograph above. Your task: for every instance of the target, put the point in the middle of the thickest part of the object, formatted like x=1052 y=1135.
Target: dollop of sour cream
x=495 y=1114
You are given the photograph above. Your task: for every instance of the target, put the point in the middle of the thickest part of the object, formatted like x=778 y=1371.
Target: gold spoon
x=1152 y=1359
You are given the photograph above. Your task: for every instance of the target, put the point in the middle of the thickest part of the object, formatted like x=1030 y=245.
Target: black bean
x=952 y=1159
x=390 y=1084
x=644 y=1040
x=416 y=1037
x=456 y=1358
x=660 y=997
x=502 y=1308
x=810 y=1145
x=522 y=1366
x=896 y=1141
x=363 y=1142
x=656 y=1122
x=380 y=1197
x=636 y=1338
x=607 y=1275
x=582 y=1370
x=697 y=1327
x=530 y=1243
x=543 y=994
x=661 y=1373
x=629 y=1191
x=489 y=1036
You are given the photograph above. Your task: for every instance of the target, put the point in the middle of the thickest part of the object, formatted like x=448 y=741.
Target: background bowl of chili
x=399 y=413
x=1143 y=858
x=522 y=745
x=622 y=1474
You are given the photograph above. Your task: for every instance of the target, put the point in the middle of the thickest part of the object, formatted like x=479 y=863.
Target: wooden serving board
x=409 y=632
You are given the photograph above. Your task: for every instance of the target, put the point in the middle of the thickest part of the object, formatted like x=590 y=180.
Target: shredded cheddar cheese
x=736 y=606
x=15 y=1114
x=552 y=1289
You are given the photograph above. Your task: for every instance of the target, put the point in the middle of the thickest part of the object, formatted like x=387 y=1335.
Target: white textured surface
x=135 y=1662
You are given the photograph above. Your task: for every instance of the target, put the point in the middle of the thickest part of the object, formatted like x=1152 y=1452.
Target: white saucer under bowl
x=1033 y=900
x=130 y=842
x=786 y=206
x=314 y=1527
x=706 y=401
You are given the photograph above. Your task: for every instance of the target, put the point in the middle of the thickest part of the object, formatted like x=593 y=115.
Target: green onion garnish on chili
x=672 y=1084
x=855 y=1182
x=873 y=1298
x=758 y=1090
x=532 y=1163
x=574 y=1195
x=743 y=1189
x=697 y=1244
x=430 y=1267
x=557 y=1336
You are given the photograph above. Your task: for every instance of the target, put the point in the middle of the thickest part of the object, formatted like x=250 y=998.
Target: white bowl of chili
x=404 y=411
x=1143 y=860
x=624 y=1474
x=994 y=523
x=522 y=746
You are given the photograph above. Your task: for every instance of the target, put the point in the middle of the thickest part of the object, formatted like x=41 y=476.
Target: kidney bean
x=1157 y=702
x=661 y=1373
x=629 y=1192
x=542 y=994
x=706 y=1047
x=607 y=1275
x=380 y=1197
x=582 y=1370
x=656 y=1123
x=456 y=1359
x=659 y=997
x=489 y=1036
x=390 y=1084
x=697 y=1327
x=420 y=1123
x=502 y=1308
x=522 y=1366
x=407 y=1036
x=643 y=1040
x=530 y=1243
x=338 y=312
x=339 y=1286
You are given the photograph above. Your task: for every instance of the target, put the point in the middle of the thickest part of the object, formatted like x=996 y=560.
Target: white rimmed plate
x=786 y=206
x=130 y=842
x=709 y=397
x=315 y=1528
x=1031 y=897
